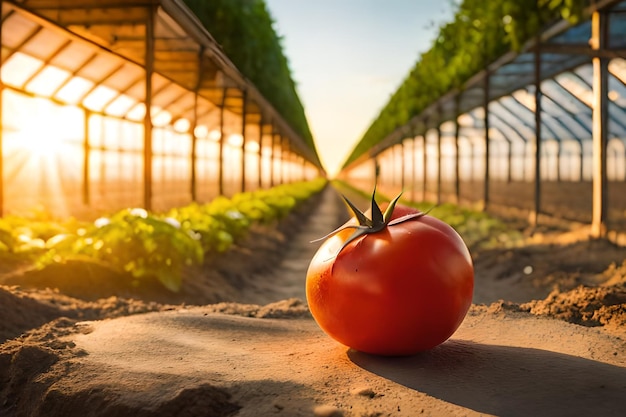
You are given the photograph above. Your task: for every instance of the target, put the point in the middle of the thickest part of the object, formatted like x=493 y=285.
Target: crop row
x=150 y=245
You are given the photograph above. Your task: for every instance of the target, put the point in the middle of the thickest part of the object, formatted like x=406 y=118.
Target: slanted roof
x=565 y=72
x=93 y=54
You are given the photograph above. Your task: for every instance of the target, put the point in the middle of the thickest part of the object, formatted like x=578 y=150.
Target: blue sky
x=348 y=56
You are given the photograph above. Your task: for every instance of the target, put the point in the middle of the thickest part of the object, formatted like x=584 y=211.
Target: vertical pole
x=86 y=157
x=272 y=144
x=284 y=160
x=457 y=159
x=424 y=160
x=1 y=131
x=220 y=155
x=438 y=163
x=147 y=122
x=413 y=165
x=194 y=124
x=487 y=145
x=193 y=150
x=472 y=158
x=581 y=168
x=281 y=160
x=260 y=156
x=534 y=219
x=243 y=143
x=509 y=161
x=402 y=166
x=599 y=36
x=559 y=155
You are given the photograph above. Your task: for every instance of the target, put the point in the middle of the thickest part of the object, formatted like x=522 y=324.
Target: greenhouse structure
x=541 y=131
x=76 y=138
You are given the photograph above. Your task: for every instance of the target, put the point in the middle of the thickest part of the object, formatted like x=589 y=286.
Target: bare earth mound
x=546 y=336
x=197 y=362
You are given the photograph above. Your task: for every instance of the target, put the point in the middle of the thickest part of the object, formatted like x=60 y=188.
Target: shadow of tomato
x=507 y=381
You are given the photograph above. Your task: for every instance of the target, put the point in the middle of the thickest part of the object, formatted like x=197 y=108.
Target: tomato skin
x=399 y=291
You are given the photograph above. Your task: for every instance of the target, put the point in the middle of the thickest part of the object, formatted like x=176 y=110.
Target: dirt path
x=287 y=279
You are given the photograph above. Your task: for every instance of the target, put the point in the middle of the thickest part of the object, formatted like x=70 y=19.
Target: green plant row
x=481 y=32
x=150 y=246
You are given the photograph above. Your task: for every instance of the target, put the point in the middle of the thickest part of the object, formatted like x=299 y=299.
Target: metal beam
x=402 y=166
x=243 y=143
x=487 y=153
x=424 y=162
x=272 y=144
x=534 y=220
x=194 y=124
x=457 y=131
x=438 y=130
x=260 y=156
x=1 y=131
x=220 y=157
x=600 y=112
x=147 y=121
x=86 y=157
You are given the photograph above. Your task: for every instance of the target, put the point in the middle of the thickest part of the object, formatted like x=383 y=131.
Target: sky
x=347 y=57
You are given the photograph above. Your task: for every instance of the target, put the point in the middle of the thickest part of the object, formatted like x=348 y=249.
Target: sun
x=42 y=143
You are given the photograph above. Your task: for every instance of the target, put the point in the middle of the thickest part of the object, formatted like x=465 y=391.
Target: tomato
x=399 y=290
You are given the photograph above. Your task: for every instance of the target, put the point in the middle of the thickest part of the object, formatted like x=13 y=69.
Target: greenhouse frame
x=478 y=144
x=76 y=139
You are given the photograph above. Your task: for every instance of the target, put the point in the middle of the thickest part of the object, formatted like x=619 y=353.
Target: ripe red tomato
x=397 y=291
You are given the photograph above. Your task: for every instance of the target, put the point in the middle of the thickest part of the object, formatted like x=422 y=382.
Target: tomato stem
x=377 y=223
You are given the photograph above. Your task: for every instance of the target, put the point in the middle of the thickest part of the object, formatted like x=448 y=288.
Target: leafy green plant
x=223 y=221
x=149 y=246
x=216 y=234
x=135 y=242
x=26 y=236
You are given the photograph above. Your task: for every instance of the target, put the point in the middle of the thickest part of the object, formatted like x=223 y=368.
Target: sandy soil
x=546 y=336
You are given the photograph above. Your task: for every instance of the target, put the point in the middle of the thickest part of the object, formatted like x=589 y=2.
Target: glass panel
x=120 y=106
x=507 y=118
x=124 y=77
x=617 y=28
x=100 y=67
x=565 y=98
x=74 y=90
x=44 y=44
x=99 y=97
x=168 y=95
x=137 y=113
x=16 y=29
x=552 y=116
x=514 y=114
x=617 y=67
x=73 y=56
x=576 y=87
x=137 y=90
x=47 y=81
x=19 y=68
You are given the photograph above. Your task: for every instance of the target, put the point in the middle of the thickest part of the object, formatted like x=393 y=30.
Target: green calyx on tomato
x=377 y=223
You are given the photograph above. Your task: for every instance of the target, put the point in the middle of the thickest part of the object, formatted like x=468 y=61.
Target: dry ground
x=545 y=336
